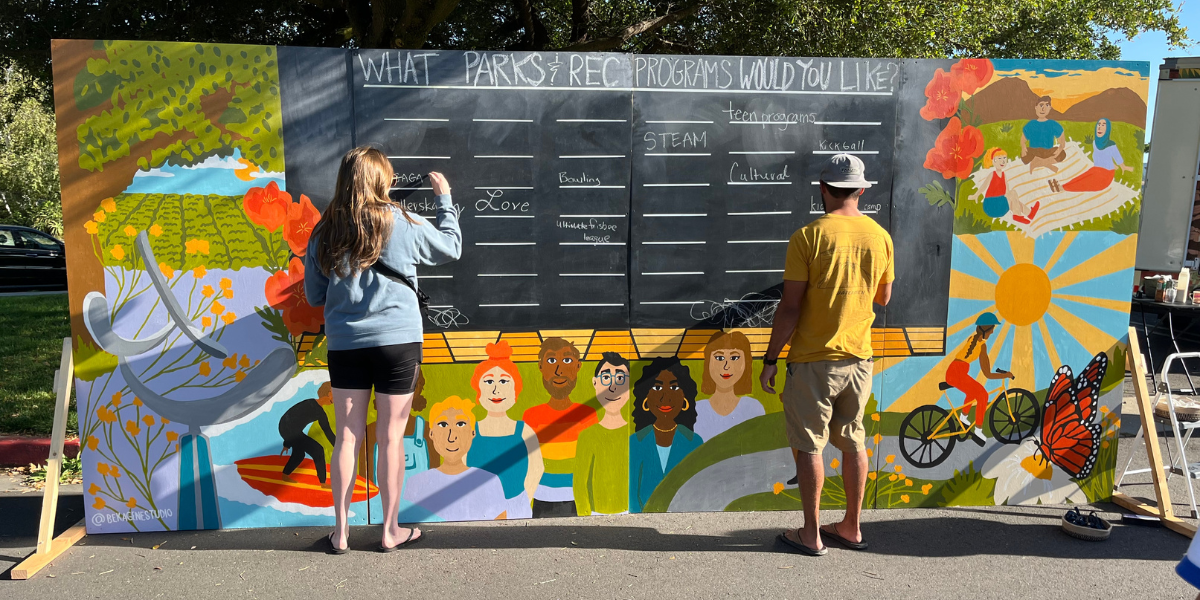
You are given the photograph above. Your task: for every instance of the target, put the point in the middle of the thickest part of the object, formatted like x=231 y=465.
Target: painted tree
x=176 y=103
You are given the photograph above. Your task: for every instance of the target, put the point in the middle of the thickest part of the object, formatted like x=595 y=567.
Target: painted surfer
x=292 y=426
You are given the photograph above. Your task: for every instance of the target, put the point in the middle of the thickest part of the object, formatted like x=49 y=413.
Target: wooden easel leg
x=48 y=549
x=1163 y=510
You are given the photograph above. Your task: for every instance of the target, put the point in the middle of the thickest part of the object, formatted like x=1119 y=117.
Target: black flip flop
x=833 y=534
x=408 y=542
x=334 y=549
x=800 y=547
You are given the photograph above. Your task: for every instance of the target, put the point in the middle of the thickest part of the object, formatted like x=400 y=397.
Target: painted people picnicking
x=1043 y=140
x=373 y=323
x=836 y=268
x=601 y=479
x=504 y=446
x=557 y=424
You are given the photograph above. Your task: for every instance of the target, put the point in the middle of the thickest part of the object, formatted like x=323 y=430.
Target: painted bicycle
x=928 y=433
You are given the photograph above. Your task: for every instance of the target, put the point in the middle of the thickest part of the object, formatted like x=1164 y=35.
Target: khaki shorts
x=823 y=401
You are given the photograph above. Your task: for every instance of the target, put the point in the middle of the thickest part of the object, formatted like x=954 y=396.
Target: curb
x=21 y=450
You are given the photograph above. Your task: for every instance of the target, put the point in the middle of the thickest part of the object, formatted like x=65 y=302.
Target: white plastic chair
x=1182 y=432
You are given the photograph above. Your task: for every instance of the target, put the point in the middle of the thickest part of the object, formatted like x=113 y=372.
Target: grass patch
x=32 y=329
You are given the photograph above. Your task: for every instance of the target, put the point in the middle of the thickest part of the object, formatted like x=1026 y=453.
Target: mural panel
x=204 y=400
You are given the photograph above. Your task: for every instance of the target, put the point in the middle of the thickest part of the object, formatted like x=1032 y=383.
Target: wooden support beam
x=49 y=547
x=30 y=566
x=1163 y=511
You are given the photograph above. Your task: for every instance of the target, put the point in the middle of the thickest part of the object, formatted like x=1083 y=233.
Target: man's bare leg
x=810 y=470
x=854 y=479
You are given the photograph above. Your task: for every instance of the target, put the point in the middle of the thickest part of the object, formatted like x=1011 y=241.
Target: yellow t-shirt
x=844 y=260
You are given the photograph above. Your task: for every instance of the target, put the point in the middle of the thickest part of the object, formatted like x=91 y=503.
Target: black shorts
x=389 y=369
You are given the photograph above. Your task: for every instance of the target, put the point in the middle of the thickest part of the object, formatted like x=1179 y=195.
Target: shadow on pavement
x=19 y=519
x=953 y=536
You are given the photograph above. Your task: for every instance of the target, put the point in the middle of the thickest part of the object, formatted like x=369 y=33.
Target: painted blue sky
x=1152 y=47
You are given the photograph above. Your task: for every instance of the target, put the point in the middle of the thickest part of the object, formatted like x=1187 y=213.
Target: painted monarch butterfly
x=1070 y=437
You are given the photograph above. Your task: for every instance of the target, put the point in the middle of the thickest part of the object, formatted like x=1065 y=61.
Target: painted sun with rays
x=1060 y=298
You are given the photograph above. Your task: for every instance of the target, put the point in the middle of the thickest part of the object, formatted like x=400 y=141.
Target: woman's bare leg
x=389 y=434
x=350 y=412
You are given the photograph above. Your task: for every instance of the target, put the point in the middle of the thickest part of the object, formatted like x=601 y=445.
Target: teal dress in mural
x=646 y=468
x=507 y=457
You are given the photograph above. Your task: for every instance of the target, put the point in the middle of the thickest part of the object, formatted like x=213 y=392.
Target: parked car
x=30 y=259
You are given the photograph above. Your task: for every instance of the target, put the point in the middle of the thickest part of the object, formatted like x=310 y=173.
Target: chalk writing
x=581 y=179
x=675 y=139
x=493 y=203
x=767 y=74
x=739 y=173
x=775 y=119
x=756 y=309
x=410 y=69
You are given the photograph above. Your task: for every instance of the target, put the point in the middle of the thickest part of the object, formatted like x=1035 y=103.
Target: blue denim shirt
x=367 y=309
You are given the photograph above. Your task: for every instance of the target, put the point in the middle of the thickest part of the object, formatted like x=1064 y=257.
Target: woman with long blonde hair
x=361 y=266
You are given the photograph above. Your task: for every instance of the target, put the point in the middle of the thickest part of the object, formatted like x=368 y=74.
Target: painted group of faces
x=563 y=458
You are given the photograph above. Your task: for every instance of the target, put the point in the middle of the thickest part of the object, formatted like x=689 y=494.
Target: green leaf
x=968 y=488
x=92 y=362
x=937 y=195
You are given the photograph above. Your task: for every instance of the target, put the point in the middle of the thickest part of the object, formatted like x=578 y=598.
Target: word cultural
x=750 y=174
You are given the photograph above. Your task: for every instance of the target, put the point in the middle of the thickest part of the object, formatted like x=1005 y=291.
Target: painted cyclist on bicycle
x=958 y=374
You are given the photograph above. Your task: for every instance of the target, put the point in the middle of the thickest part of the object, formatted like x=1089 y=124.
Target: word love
x=494 y=203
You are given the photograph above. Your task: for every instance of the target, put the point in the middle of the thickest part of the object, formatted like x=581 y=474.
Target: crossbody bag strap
x=394 y=275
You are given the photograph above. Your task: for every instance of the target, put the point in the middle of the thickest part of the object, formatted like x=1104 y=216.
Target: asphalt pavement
x=953 y=553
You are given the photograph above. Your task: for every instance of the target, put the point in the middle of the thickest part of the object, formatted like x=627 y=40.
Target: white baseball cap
x=845 y=171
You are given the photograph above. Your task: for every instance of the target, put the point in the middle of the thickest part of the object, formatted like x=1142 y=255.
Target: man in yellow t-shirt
x=837 y=266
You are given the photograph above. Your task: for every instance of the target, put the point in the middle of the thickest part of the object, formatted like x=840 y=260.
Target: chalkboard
x=727 y=154
x=610 y=191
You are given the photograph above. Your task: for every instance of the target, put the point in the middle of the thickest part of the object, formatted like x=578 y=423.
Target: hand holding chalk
x=439 y=183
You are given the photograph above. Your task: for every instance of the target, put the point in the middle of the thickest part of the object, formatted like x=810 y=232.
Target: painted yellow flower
x=108 y=205
x=116 y=399
x=239 y=376
x=908 y=482
x=94 y=489
x=164 y=421
x=872 y=475
x=878 y=438
x=98 y=504
x=217 y=308
x=777 y=488
x=1103 y=409
x=196 y=246
x=926 y=488
x=155 y=230
x=228 y=292
x=207 y=291
x=891 y=458
x=102 y=468
x=206 y=322
x=892 y=477
x=870 y=452
x=904 y=497
x=91 y=227
x=245 y=362
x=117 y=252
x=132 y=503
x=132 y=427
x=199 y=272
x=1104 y=444
x=205 y=369
x=105 y=415
x=172 y=436
x=137 y=401
x=226 y=283
x=130 y=231
x=898 y=468
x=229 y=317
x=114 y=471
x=834 y=464
x=92 y=442
x=230 y=361
x=166 y=269
x=148 y=420
x=99 y=216
x=874 y=416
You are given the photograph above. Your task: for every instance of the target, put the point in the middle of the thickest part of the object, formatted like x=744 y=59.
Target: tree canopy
x=1068 y=29
x=28 y=153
